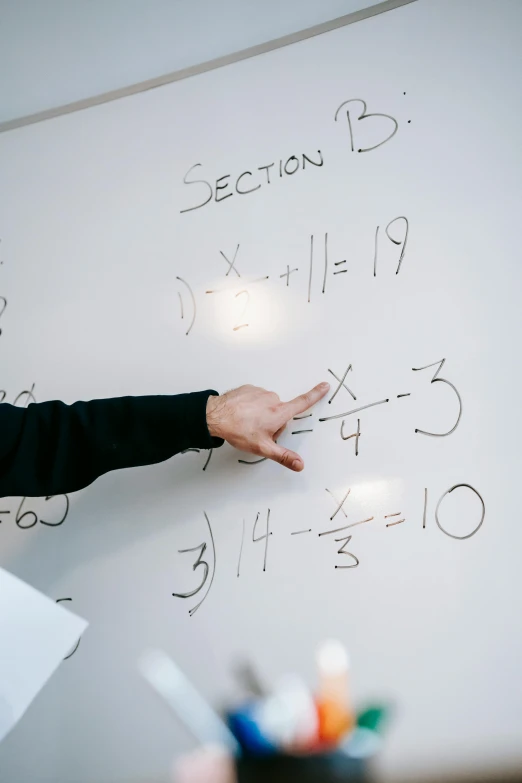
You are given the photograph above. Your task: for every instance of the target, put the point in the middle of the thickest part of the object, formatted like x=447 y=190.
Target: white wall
x=57 y=51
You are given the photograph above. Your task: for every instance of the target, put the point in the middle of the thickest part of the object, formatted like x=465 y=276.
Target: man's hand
x=252 y=419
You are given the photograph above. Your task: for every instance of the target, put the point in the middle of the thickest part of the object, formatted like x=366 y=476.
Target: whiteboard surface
x=93 y=244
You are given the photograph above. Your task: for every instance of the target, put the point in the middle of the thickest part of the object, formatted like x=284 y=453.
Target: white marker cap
x=332 y=658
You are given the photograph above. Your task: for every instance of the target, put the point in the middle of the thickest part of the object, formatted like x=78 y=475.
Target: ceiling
x=54 y=52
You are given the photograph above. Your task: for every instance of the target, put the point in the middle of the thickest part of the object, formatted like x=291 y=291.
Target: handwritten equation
x=435 y=379
x=316 y=274
x=26 y=514
x=306 y=423
x=204 y=554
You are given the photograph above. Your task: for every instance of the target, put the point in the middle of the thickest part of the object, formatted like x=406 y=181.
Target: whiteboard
x=98 y=255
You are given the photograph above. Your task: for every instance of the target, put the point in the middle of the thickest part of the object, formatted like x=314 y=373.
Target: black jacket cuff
x=195 y=427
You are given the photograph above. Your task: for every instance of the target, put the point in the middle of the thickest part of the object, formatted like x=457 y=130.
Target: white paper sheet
x=35 y=636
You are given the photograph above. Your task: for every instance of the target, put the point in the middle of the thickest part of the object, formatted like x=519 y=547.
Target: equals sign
x=299 y=418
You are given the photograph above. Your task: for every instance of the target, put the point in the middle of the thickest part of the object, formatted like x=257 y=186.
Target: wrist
x=213 y=404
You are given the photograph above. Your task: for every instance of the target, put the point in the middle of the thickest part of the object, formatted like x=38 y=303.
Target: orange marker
x=336 y=716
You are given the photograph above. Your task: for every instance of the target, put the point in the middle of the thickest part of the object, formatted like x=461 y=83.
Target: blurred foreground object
x=210 y=764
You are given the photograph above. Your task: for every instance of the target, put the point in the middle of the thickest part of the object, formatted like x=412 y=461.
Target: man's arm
x=50 y=448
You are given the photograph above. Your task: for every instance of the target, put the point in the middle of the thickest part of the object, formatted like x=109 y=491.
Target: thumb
x=286 y=457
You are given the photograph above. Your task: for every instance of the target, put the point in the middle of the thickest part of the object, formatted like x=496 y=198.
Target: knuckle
x=284 y=457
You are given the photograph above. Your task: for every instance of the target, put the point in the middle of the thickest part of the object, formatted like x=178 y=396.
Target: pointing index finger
x=304 y=401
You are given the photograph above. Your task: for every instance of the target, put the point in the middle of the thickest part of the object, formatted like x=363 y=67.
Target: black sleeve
x=50 y=448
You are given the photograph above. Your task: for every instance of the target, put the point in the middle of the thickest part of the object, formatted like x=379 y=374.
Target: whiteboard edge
x=209 y=65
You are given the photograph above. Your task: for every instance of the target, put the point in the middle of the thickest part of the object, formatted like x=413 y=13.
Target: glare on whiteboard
x=374 y=492
x=250 y=312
